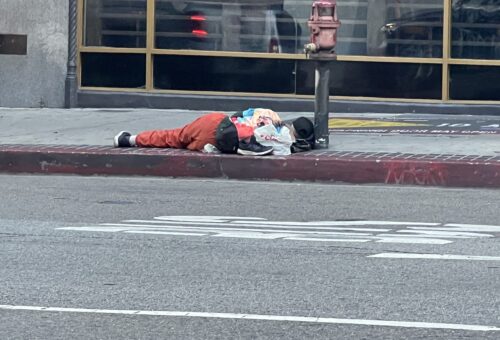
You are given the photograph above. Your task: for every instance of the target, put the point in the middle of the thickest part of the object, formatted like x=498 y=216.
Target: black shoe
x=122 y=140
x=253 y=148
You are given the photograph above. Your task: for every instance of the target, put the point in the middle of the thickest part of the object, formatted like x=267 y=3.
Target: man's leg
x=192 y=136
x=160 y=139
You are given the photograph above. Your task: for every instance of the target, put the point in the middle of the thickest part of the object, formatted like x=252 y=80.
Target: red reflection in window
x=198 y=18
x=200 y=33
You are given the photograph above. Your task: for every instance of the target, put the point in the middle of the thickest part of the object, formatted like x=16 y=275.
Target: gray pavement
x=98 y=126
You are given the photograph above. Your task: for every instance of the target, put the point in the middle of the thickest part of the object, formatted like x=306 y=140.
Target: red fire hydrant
x=323 y=25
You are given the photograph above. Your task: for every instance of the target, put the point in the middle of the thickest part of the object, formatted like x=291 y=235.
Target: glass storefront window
x=395 y=28
x=256 y=75
x=407 y=28
x=115 y=23
x=468 y=82
x=385 y=28
x=224 y=74
x=368 y=79
x=113 y=70
x=476 y=29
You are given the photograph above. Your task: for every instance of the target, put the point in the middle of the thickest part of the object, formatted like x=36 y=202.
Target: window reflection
x=115 y=23
x=407 y=28
x=476 y=29
x=251 y=26
x=369 y=27
x=404 y=28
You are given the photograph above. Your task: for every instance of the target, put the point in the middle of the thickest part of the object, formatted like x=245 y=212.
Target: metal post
x=71 y=84
x=323 y=25
x=321 y=112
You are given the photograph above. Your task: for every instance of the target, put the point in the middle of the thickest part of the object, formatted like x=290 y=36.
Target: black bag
x=301 y=145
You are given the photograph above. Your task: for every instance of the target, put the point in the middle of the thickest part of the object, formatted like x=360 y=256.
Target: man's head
x=303 y=128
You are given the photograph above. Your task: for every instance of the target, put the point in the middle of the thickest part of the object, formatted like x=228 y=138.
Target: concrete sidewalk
x=79 y=141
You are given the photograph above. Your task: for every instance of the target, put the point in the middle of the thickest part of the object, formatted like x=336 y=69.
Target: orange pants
x=192 y=136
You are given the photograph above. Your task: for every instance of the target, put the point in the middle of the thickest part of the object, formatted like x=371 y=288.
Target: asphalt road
x=127 y=258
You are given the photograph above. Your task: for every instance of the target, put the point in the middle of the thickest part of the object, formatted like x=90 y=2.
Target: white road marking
x=412 y=240
x=326 y=239
x=233 y=229
x=217 y=219
x=340 y=223
x=435 y=256
x=258 y=225
x=163 y=233
x=222 y=219
x=463 y=227
x=281 y=318
x=324 y=231
x=476 y=227
x=266 y=236
x=261 y=233
x=442 y=233
x=421 y=235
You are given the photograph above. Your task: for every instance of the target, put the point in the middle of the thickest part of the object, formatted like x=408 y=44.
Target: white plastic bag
x=281 y=141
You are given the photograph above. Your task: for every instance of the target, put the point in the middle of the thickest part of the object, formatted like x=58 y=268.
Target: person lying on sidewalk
x=213 y=129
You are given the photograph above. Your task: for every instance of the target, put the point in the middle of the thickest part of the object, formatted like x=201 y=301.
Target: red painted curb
x=321 y=166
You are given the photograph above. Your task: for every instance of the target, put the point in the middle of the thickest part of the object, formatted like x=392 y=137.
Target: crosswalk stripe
x=422 y=236
x=464 y=227
x=435 y=256
x=447 y=233
x=412 y=240
x=326 y=239
x=268 y=236
x=163 y=233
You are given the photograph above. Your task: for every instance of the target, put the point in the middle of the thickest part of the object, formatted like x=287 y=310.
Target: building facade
x=33 y=52
x=206 y=54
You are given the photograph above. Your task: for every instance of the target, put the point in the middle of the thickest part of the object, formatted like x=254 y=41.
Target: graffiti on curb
x=402 y=173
